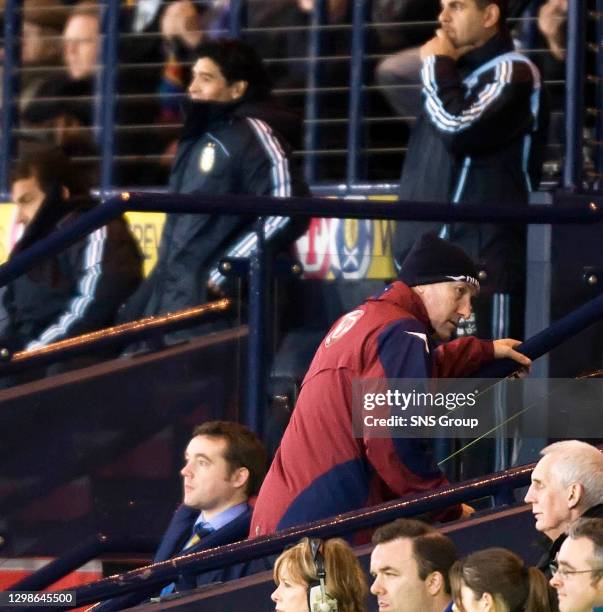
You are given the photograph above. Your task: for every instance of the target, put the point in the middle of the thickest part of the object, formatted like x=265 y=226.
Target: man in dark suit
x=224 y=465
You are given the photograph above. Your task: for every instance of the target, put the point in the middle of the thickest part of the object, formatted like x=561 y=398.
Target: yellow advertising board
x=9 y=230
x=330 y=249
x=147 y=228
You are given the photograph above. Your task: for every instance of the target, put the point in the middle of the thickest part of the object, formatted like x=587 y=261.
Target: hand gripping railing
x=576 y=321
x=341 y=525
x=587 y=210
x=566 y=209
x=91 y=548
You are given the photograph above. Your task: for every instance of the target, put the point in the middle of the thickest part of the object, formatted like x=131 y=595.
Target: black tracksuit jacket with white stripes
x=76 y=291
x=477 y=141
x=226 y=148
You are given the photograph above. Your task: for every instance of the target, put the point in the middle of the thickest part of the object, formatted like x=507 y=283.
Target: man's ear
x=239 y=477
x=65 y=193
x=491 y=15
x=238 y=89
x=575 y=494
x=435 y=583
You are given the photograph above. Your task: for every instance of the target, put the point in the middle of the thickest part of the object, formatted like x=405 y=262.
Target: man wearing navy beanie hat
x=445 y=279
x=433 y=260
x=320 y=469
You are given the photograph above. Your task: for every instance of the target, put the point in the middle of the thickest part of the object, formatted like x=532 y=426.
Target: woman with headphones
x=319 y=576
x=496 y=580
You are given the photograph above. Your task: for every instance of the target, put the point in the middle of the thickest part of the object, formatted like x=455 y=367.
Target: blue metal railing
x=580 y=210
x=10 y=87
x=106 y=87
x=599 y=95
x=314 y=80
x=360 y=11
x=574 y=94
x=344 y=524
x=569 y=209
x=91 y=548
x=256 y=356
x=237 y=17
x=549 y=338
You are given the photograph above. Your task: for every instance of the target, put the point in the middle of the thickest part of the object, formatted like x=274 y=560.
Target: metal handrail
x=574 y=95
x=571 y=209
x=581 y=209
x=168 y=571
x=545 y=341
x=117 y=335
x=92 y=547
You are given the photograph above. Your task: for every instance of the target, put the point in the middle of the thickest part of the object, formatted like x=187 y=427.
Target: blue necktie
x=200 y=530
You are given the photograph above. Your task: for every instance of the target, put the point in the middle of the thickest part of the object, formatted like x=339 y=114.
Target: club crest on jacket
x=344 y=326
x=208 y=157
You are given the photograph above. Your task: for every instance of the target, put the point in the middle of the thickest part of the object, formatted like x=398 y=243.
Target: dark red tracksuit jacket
x=320 y=469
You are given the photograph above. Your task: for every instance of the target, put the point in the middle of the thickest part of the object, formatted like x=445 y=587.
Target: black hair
x=49 y=165
x=244 y=449
x=503 y=7
x=432 y=550
x=238 y=61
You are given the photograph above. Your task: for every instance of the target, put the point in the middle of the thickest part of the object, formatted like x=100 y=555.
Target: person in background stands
x=80 y=289
x=478 y=142
x=234 y=141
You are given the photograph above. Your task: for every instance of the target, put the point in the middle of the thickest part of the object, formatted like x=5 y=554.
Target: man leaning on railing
x=322 y=468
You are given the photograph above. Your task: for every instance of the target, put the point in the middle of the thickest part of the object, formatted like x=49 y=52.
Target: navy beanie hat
x=433 y=260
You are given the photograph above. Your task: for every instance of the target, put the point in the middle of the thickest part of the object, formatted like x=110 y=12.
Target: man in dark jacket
x=224 y=465
x=474 y=142
x=234 y=141
x=567 y=483
x=80 y=289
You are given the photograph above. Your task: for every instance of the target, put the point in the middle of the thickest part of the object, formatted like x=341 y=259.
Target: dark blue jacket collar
x=500 y=43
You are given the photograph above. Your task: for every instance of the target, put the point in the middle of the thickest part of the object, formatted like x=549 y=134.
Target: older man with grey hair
x=567 y=483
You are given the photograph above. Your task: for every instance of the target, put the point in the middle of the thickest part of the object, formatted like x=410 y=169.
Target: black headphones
x=318 y=598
